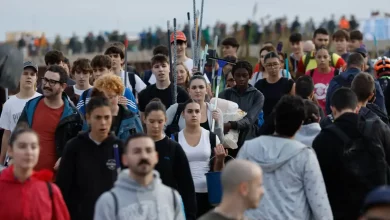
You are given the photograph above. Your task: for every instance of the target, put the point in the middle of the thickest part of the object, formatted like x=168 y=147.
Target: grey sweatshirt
x=292 y=178
x=307 y=133
x=153 y=202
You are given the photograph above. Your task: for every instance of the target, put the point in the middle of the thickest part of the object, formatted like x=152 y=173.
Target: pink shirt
x=321 y=82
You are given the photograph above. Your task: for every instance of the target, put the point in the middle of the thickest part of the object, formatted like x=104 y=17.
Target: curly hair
x=110 y=82
x=243 y=64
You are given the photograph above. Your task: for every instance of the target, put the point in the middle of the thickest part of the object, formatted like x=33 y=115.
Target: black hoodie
x=175 y=172
x=86 y=171
x=345 y=196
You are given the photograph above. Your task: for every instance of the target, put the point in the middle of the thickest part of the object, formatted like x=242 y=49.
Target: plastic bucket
x=214 y=187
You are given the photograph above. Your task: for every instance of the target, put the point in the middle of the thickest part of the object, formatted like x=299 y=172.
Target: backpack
x=117 y=206
x=309 y=57
x=363 y=158
x=146 y=78
x=174 y=126
x=335 y=73
x=86 y=94
x=132 y=81
x=72 y=95
x=344 y=82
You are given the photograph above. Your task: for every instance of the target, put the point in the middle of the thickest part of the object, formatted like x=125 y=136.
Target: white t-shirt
x=198 y=158
x=139 y=84
x=189 y=63
x=12 y=110
x=77 y=91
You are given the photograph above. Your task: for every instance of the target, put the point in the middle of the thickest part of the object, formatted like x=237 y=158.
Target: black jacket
x=328 y=147
x=69 y=126
x=372 y=111
x=86 y=171
x=175 y=172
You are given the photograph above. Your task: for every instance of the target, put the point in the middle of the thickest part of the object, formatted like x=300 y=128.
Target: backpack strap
x=175 y=137
x=50 y=189
x=213 y=143
x=332 y=59
x=115 y=202
x=307 y=59
x=180 y=108
x=174 y=200
x=132 y=81
x=336 y=72
x=213 y=140
x=312 y=73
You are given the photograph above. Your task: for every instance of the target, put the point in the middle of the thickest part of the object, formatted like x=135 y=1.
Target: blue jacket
x=70 y=124
x=333 y=86
x=130 y=124
x=86 y=96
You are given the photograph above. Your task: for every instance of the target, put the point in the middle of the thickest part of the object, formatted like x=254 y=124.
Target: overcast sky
x=81 y=16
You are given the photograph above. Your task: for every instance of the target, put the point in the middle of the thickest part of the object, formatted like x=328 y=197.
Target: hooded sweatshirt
x=134 y=201
x=307 y=133
x=86 y=171
x=251 y=101
x=30 y=200
x=292 y=179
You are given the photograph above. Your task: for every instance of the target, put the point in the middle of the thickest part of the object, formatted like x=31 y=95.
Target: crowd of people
x=97 y=140
x=266 y=29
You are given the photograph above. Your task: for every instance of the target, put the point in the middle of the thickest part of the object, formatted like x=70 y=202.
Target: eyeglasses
x=272 y=65
x=51 y=82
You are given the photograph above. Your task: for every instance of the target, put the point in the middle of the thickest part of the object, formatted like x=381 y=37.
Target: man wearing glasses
x=52 y=116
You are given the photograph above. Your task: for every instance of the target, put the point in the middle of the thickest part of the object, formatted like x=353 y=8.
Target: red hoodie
x=30 y=200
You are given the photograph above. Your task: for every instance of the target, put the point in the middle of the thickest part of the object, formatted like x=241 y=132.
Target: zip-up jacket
x=252 y=102
x=69 y=126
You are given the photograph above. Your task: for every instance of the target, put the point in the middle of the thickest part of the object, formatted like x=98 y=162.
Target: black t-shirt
x=165 y=95
x=273 y=92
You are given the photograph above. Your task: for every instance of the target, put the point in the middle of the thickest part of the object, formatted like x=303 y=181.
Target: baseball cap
x=30 y=64
x=179 y=36
x=378 y=196
x=362 y=51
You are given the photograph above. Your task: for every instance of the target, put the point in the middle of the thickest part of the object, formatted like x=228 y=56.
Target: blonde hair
x=187 y=80
x=110 y=82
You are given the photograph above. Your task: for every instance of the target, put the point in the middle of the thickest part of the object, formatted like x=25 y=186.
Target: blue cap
x=378 y=196
x=362 y=51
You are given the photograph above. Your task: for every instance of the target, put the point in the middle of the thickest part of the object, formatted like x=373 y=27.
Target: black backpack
x=174 y=126
x=364 y=158
x=147 y=75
